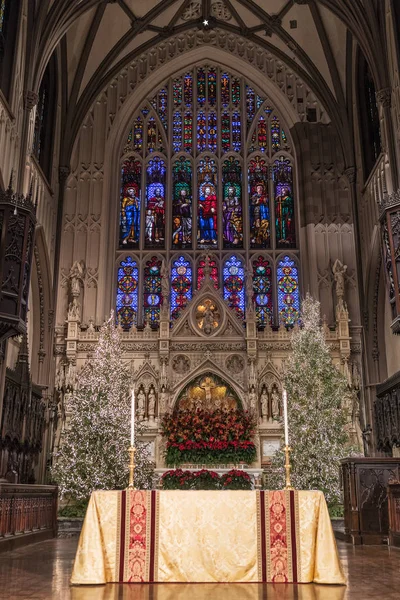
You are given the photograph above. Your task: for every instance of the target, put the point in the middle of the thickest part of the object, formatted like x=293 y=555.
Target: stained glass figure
x=188 y=89
x=181 y=285
x=232 y=203
x=201 y=131
x=262 y=287
x=275 y=134
x=182 y=204
x=155 y=203
x=212 y=87
x=213 y=272
x=235 y=92
x=236 y=132
x=225 y=89
x=284 y=204
x=152 y=300
x=262 y=134
x=250 y=106
x=234 y=291
x=177 y=92
x=288 y=291
x=259 y=203
x=152 y=135
x=212 y=131
x=225 y=131
x=177 y=131
x=130 y=203
x=207 y=202
x=127 y=293
x=201 y=86
x=188 y=132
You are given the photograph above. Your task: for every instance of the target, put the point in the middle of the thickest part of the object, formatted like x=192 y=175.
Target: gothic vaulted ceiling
x=99 y=37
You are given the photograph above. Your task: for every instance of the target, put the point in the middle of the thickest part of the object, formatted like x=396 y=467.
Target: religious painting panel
x=262 y=288
x=208 y=392
x=182 y=204
x=152 y=298
x=234 y=289
x=155 y=203
x=208 y=316
x=127 y=293
x=260 y=222
x=181 y=285
x=129 y=228
x=288 y=291
x=284 y=204
x=232 y=203
x=207 y=202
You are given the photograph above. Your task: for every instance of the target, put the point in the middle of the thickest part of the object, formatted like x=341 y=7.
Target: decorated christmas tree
x=94 y=445
x=317 y=393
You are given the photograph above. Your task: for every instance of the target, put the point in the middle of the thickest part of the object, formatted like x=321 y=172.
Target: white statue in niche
x=252 y=399
x=275 y=404
x=141 y=403
x=264 y=405
x=152 y=404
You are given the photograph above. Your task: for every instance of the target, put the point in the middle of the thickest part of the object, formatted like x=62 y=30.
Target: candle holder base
x=288 y=467
x=131 y=484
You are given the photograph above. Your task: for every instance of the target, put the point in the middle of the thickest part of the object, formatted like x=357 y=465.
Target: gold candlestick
x=287 y=467
x=131 y=451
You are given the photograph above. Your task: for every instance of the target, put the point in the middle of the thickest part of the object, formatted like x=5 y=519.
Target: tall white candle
x=285 y=417
x=133 y=418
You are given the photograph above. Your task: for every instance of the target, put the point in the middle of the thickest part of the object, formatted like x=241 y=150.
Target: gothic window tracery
x=207 y=182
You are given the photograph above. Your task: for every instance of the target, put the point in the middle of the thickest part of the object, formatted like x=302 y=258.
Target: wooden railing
x=28 y=513
x=394 y=513
x=365 y=498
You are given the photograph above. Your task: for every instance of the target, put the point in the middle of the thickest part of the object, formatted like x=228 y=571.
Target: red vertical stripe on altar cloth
x=293 y=526
x=122 y=536
x=263 y=537
x=152 y=535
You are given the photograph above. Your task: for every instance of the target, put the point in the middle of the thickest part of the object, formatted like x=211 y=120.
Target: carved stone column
x=30 y=101
x=384 y=99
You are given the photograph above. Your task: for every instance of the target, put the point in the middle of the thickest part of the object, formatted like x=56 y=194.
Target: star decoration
x=205 y=22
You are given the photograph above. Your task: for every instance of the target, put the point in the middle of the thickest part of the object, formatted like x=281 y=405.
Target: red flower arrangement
x=205 y=480
x=209 y=437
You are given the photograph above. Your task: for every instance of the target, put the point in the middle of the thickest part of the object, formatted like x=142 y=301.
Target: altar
x=207 y=536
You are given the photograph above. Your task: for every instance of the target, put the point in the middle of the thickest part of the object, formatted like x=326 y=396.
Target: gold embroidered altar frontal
x=207 y=536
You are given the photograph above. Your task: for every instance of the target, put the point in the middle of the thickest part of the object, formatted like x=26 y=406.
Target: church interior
x=191 y=171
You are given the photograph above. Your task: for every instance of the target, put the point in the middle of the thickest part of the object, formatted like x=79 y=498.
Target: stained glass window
x=213 y=272
x=234 y=292
x=262 y=288
x=127 y=293
x=288 y=291
x=182 y=204
x=232 y=203
x=155 y=203
x=181 y=285
x=284 y=204
x=129 y=229
x=152 y=291
x=207 y=202
x=259 y=203
x=184 y=189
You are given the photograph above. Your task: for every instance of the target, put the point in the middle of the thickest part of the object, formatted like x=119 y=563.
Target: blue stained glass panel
x=177 y=132
x=127 y=293
x=234 y=290
x=288 y=291
x=262 y=290
x=181 y=285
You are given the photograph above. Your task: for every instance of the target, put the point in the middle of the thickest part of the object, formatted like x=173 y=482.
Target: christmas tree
x=317 y=414
x=94 y=445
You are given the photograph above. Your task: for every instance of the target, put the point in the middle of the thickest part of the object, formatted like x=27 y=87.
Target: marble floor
x=42 y=571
